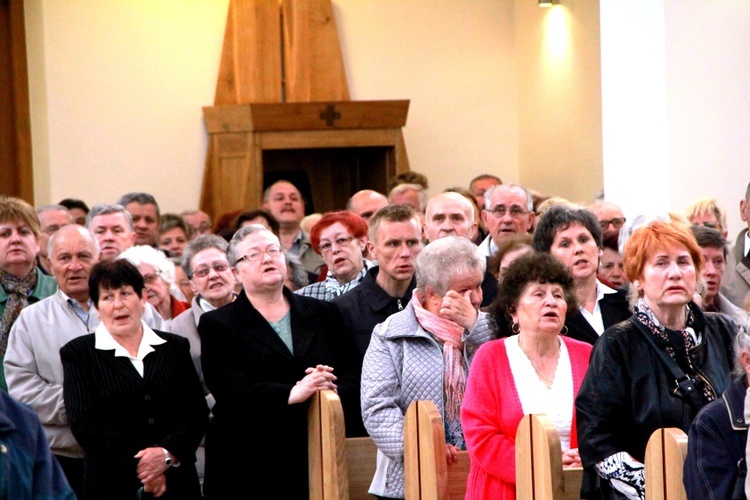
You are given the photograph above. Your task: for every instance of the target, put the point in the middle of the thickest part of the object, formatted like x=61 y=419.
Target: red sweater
x=490 y=414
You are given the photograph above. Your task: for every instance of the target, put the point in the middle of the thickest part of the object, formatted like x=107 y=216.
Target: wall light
x=548 y=3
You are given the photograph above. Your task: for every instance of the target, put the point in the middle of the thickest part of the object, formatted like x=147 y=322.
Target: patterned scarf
x=18 y=291
x=645 y=315
x=449 y=334
x=337 y=288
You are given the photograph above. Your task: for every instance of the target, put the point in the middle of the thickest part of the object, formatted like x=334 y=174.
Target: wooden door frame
x=18 y=179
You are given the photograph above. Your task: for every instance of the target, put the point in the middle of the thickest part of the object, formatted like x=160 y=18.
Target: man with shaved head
x=366 y=202
x=451 y=214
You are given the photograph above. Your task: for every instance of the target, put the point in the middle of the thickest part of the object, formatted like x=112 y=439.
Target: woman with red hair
x=341 y=239
x=656 y=369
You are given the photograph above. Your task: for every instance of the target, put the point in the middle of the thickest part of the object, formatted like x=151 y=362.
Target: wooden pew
x=427 y=474
x=665 y=455
x=340 y=468
x=539 y=471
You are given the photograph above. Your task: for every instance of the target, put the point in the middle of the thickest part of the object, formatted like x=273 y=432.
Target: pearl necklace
x=547 y=382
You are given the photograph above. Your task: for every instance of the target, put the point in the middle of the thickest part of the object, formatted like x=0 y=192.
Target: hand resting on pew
x=316 y=379
x=571 y=458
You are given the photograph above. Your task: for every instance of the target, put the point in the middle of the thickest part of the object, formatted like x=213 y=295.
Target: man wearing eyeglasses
x=610 y=216
x=509 y=210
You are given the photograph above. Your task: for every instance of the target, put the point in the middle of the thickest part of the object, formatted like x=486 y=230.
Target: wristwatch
x=167 y=458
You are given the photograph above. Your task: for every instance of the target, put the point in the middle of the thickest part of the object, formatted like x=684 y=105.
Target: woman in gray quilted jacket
x=423 y=353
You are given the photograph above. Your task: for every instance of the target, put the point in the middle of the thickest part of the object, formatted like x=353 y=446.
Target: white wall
x=118 y=88
x=675 y=101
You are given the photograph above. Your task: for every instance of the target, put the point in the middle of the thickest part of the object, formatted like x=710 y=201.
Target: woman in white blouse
x=530 y=369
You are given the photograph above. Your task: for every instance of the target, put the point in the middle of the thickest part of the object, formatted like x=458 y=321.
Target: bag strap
x=683 y=382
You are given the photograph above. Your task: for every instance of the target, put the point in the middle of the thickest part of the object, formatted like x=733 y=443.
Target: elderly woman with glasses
x=574 y=236
x=264 y=355
x=204 y=260
x=159 y=276
x=656 y=369
x=340 y=238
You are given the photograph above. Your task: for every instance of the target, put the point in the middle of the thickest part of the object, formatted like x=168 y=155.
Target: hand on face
x=460 y=308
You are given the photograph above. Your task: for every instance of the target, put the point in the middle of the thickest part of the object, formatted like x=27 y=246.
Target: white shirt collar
x=104 y=341
x=747 y=242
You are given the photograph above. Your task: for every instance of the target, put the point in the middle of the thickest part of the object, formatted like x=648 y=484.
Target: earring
x=637 y=284
x=564 y=330
x=515 y=328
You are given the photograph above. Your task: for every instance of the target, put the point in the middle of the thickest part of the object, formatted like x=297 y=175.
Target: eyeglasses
x=515 y=212
x=709 y=224
x=150 y=279
x=204 y=271
x=255 y=254
x=340 y=242
x=617 y=222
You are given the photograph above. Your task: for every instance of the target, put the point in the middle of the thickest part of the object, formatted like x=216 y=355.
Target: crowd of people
x=149 y=354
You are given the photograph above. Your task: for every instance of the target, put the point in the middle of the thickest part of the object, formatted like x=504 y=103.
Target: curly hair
x=530 y=268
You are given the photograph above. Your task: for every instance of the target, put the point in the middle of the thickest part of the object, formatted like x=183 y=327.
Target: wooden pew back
x=665 y=455
x=427 y=473
x=340 y=468
x=539 y=471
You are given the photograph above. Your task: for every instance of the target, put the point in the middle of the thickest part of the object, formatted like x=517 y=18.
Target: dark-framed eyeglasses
x=617 y=222
x=204 y=271
x=516 y=212
x=256 y=254
x=327 y=246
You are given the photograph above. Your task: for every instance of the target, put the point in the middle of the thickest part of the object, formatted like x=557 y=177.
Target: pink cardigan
x=490 y=414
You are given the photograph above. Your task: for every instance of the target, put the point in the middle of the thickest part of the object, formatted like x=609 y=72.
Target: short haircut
x=84 y=231
x=267 y=192
x=170 y=221
x=709 y=238
x=705 y=206
x=409 y=177
x=402 y=188
x=465 y=193
x=19 y=211
x=353 y=223
x=530 y=268
x=47 y=208
x=390 y=213
x=139 y=198
x=254 y=214
x=146 y=254
x=445 y=259
x=240 y=235
x=559 y=218
x=658 y=235
x=108 y=210
x=513 y=242
x=196 y=246
x=484 y=177
x=71 y=203
x=491 y=189
x=114 y=274
x=747 y=192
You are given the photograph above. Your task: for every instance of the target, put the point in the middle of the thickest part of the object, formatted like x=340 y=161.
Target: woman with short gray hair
x=423 y=353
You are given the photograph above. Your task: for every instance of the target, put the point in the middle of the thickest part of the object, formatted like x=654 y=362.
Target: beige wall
x=647 y=98
x=120 y=84
x=559 y=98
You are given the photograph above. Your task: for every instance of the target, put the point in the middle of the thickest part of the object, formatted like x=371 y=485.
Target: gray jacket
x=735 y=284
x=389 y=387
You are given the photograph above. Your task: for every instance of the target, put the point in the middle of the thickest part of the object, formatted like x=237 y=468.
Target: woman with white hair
x=159 y=277
x=423 y=353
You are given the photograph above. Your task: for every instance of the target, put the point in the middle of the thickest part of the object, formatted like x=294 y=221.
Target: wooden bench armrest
x=665 y=455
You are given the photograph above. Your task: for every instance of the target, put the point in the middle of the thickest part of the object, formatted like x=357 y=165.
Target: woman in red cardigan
x=531 y=369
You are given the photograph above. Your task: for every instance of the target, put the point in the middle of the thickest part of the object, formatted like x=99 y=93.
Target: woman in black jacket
x=630 y=389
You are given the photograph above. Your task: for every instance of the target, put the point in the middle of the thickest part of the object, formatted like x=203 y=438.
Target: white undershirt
x=557 y=402
x=595 y=317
